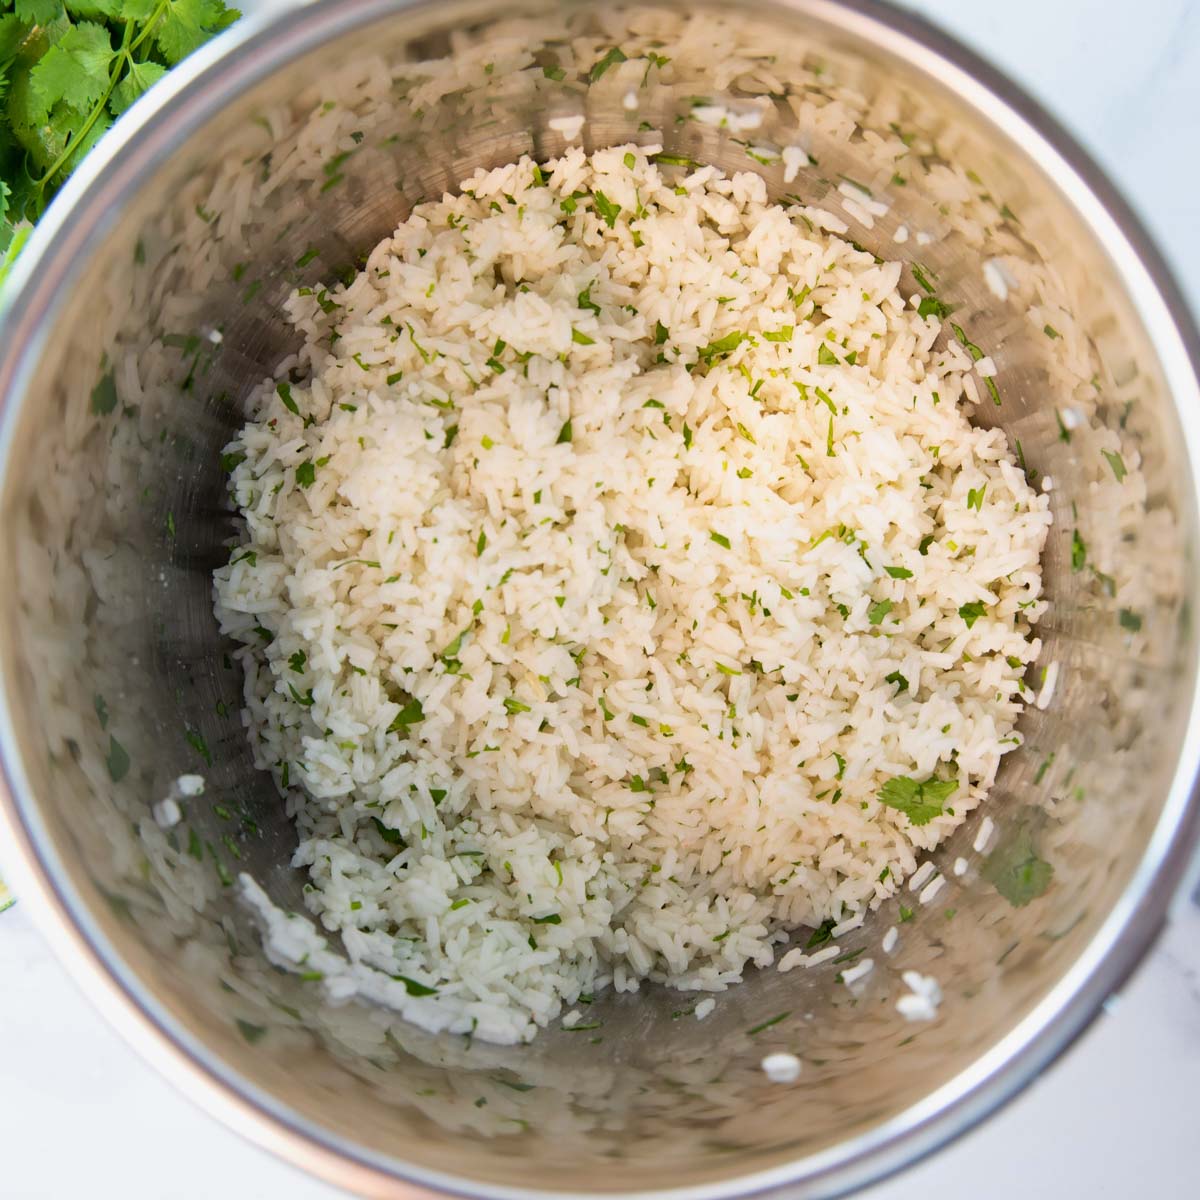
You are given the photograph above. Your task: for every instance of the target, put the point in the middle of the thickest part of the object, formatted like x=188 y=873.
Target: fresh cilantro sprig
x=68 y=68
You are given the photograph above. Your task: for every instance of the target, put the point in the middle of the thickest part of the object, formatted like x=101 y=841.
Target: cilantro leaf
x=878 y=611
x=38 y=12
x=1117 y=463
x=104 y=395
x=1015 y=869
x=723 y=346
x=188 y=24
x=139 y=80
x=606 y=208
x=117 y=760
x=919 y=801
x=614 y=56
x=972 y=611
x=411 y=714
x=74 y=70
x=822 y=934
x=392 y=836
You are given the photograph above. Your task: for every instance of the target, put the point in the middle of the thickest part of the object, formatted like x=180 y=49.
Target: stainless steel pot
x=147 y=307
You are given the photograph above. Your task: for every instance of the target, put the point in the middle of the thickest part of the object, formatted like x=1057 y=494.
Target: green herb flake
x=783 y=1016
x=614 y=56
x=391 y=836
x=284 y=391
x=822 y=934
x=1078 y=551
x=723 y=346
x=676 y=160
x=899 y=572
x=719 y=538
x=878 y=611
x=931 y=306
x=1015 y=869
x=413 y=988
x=251 y=1032
x=972 y=611
x=104 y=394
x=564 y=434
x=922 y=276
x=1117 y=463
x=919 y=801
x=117 y=760
x=410 y=714
x=606 y=208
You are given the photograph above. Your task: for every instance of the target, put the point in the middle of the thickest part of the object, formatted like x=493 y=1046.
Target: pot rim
x=194 y=93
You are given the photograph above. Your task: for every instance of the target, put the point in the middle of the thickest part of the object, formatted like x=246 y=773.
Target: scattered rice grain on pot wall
x=625 y=541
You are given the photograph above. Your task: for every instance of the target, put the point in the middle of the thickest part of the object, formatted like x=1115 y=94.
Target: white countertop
x=80 y=1114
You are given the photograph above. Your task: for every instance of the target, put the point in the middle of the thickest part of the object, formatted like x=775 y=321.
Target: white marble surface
x=81 y=1115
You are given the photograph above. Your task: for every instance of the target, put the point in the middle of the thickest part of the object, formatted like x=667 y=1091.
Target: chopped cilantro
x=822 y=934
x=1015 y=869
x=767 y=1024
x=972 y=611
x=606 y=208
x=413 y=988
x=723 y=346
x=584 y=299
x=410 y=714
x=919 y=801
x=614 y=56
x=392 y=836
x=1078 y=551
x=878 y=610
x=284 y=392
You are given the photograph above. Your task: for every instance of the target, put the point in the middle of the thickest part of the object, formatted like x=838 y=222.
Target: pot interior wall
x=115 y=513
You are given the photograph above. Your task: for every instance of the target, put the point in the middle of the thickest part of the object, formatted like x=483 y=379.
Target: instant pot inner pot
x=116 y=512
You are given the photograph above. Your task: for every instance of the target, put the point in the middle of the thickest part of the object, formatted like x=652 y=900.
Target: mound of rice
x=619 y=562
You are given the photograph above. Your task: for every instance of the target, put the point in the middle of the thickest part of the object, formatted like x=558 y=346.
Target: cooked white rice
x=612 y=541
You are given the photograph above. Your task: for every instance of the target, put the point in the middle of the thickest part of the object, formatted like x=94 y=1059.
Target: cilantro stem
x=121 y=62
